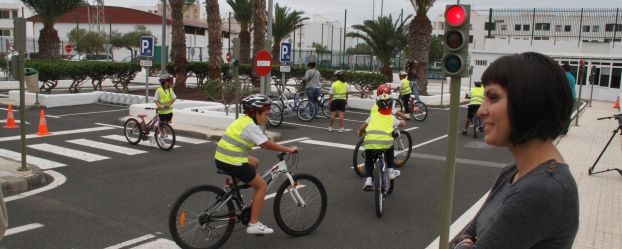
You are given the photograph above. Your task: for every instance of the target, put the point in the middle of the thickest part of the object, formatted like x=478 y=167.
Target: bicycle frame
x=286 y=102
x=151 y=124
x=380 y=163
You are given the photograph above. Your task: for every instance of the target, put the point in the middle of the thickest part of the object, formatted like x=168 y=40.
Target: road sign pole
x=147 y=85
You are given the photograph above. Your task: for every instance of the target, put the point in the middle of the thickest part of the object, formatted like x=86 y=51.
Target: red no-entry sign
x=68 y=48
x=263 y=63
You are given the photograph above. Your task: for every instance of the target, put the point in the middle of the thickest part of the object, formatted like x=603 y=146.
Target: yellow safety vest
x=477 y=96
x=165 y=96
x=378 y=132
x=232 y=148
x=405 y=89
x=340 y=89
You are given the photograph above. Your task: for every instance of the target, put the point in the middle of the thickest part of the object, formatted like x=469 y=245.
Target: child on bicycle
x=476 y=99
x=405 y=91
x=165 y=97
x=232 y=154
x=386 y=89
x=378 y=129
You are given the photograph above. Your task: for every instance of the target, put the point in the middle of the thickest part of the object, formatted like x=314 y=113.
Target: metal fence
x=601 y=25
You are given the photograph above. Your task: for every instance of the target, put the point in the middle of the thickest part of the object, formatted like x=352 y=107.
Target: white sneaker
x=330 y=128
x=393 y=173
x=368 y=184
x=341 y=129
x=258 y=228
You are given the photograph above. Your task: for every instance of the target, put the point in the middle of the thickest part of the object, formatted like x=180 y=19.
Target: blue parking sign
x=146 y=46
x=286 y=52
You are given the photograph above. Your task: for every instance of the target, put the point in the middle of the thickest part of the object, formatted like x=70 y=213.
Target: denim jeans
x=415 y=90
x=314 y=95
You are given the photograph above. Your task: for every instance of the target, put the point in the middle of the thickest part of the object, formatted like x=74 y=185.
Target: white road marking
x=190 y=140
x=23 y=228
x=429 y=141
x=131 y=242
x=311 y=126
x=461 y=222
x=58 y=150
x=86 y=113
x=286 y=141
x=142 y=142
x=331 y=144
x=36 y=161
x=411 y=128
x=107 y=147
x=59 y=179
x=57 y=133
x=158 y=244
x=109 y=125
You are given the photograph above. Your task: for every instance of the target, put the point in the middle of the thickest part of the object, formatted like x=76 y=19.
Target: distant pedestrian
x=412 y=77
x=572 y=83
x=312 y=84
x=338 y=100
x=534 y=202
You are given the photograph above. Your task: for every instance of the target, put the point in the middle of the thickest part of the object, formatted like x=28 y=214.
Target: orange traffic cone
x=616 y=104
x=43 y=127
x=10 y=120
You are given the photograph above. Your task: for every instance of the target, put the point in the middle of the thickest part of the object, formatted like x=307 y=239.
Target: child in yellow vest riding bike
x=476 y=98
x=405 y=91
x=165 y=97
x=232 y=153
x=378 y=130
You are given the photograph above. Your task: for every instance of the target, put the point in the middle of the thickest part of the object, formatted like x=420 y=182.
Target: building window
x=609 y=27
x=586 y=28
x=470 y=39
x=481 y=62
x=526 y=27
x=5 y=14
x=567 y=28
x=14 y=12
x=517 y=27
x=558 y=28
x=543 y=26
x=5 y=32
x=536 y=38
x=504 y=27
x=545 y=38
x=595 y=28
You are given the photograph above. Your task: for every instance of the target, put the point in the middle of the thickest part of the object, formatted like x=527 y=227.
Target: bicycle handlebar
x=616 y=116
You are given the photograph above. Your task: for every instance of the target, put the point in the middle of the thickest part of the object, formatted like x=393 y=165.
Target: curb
x=13 y=185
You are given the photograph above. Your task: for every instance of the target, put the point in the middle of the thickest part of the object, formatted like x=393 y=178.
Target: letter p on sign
x=286 y=52
x=146 y=46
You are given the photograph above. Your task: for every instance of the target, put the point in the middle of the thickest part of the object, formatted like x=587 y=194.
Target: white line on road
x=159 y=244
x=107 y=147
x=286 y=141
x=23 y=228
x=311 y=126
x=131 y=242
x=109 y=125
x=62 y=151
x=36 y=161
x=86 y=113
x=330 y=144
x=142 y=142
x=429 y=141
x=411 y=128
x=59 y=179
x=57 y=133
x=177 y=138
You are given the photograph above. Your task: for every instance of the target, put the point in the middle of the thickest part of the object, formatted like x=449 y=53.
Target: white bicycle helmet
x=256 y=102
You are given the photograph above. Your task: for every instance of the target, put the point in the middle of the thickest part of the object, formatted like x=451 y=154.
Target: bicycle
x=218 y=209
x=299 y=104
x=323 y=100
x=478 y=126
x=383 y=186
x=402 y=145
x=136 y=131
x=416 y=108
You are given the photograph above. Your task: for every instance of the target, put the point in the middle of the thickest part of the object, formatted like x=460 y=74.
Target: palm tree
x=49 y=11
x=259 y=25
x=243 y=14
x=178 y=46
x=385 y=37
x=214 y=39
x=285 y=22
x=419 y=41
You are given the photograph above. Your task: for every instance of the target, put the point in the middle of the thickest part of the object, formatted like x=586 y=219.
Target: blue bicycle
x=383 y=187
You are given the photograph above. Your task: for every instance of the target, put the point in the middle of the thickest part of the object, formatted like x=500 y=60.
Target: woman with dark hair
x=312 y=85
x=412 y=77
x=534 y=201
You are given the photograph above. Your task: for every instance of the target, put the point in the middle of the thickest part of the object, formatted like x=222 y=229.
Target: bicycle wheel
x=398 y=105
x=306 y=110
x=475 y=123
x=165 y=136
x=358 y=158
x=378 y=198
x=275 y=118
x=293 y=218
x=403 y=146
x=199 y=220
x=132 y=131
x=326 y=108
x=420 y=111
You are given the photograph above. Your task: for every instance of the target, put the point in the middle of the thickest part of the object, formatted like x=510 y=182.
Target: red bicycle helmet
x=383 y=89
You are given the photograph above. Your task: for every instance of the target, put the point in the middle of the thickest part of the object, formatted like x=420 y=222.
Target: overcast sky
x=360 y=10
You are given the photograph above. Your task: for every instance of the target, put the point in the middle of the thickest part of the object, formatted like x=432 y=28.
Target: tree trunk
x=276 y=51
x=214 y=39
x=387 y=72
x=245 y=46
x=49 y=43
x=419 y=42
x=178 y=46
x=259 y=32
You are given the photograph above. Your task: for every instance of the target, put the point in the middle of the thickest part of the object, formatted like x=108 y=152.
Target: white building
x=566 y=35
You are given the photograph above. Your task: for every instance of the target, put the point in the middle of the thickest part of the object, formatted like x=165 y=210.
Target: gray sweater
x=540 y=210
x=312 y=76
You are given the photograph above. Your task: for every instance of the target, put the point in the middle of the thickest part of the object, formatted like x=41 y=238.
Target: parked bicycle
x=402 y=145
x=204 y=216
x=416 y=108
x=136 y=131
x=297 y=102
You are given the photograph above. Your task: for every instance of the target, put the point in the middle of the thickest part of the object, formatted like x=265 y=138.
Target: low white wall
x=206 y=114
x=56 y=99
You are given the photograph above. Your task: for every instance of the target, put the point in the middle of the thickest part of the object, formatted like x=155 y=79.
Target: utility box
x=31 y=78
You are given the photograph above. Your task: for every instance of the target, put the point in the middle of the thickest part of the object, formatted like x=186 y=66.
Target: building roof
x=112 y=14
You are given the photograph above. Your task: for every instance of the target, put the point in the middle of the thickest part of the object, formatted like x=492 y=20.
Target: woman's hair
x=311 y=64
x=538 y=95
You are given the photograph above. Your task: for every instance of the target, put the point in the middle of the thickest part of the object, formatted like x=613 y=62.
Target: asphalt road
x=123 y=200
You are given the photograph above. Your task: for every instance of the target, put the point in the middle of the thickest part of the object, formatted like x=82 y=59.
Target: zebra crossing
x=105 y=143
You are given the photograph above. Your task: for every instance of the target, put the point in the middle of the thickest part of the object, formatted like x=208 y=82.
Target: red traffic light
x=455 y=15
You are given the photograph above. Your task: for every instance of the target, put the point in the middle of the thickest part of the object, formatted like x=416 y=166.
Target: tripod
x=619 y=118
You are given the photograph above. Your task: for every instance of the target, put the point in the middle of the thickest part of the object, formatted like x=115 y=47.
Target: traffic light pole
x=20 y=46
x=450 y=163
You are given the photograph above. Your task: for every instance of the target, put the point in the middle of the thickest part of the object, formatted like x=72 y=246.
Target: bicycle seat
x=142 y=115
